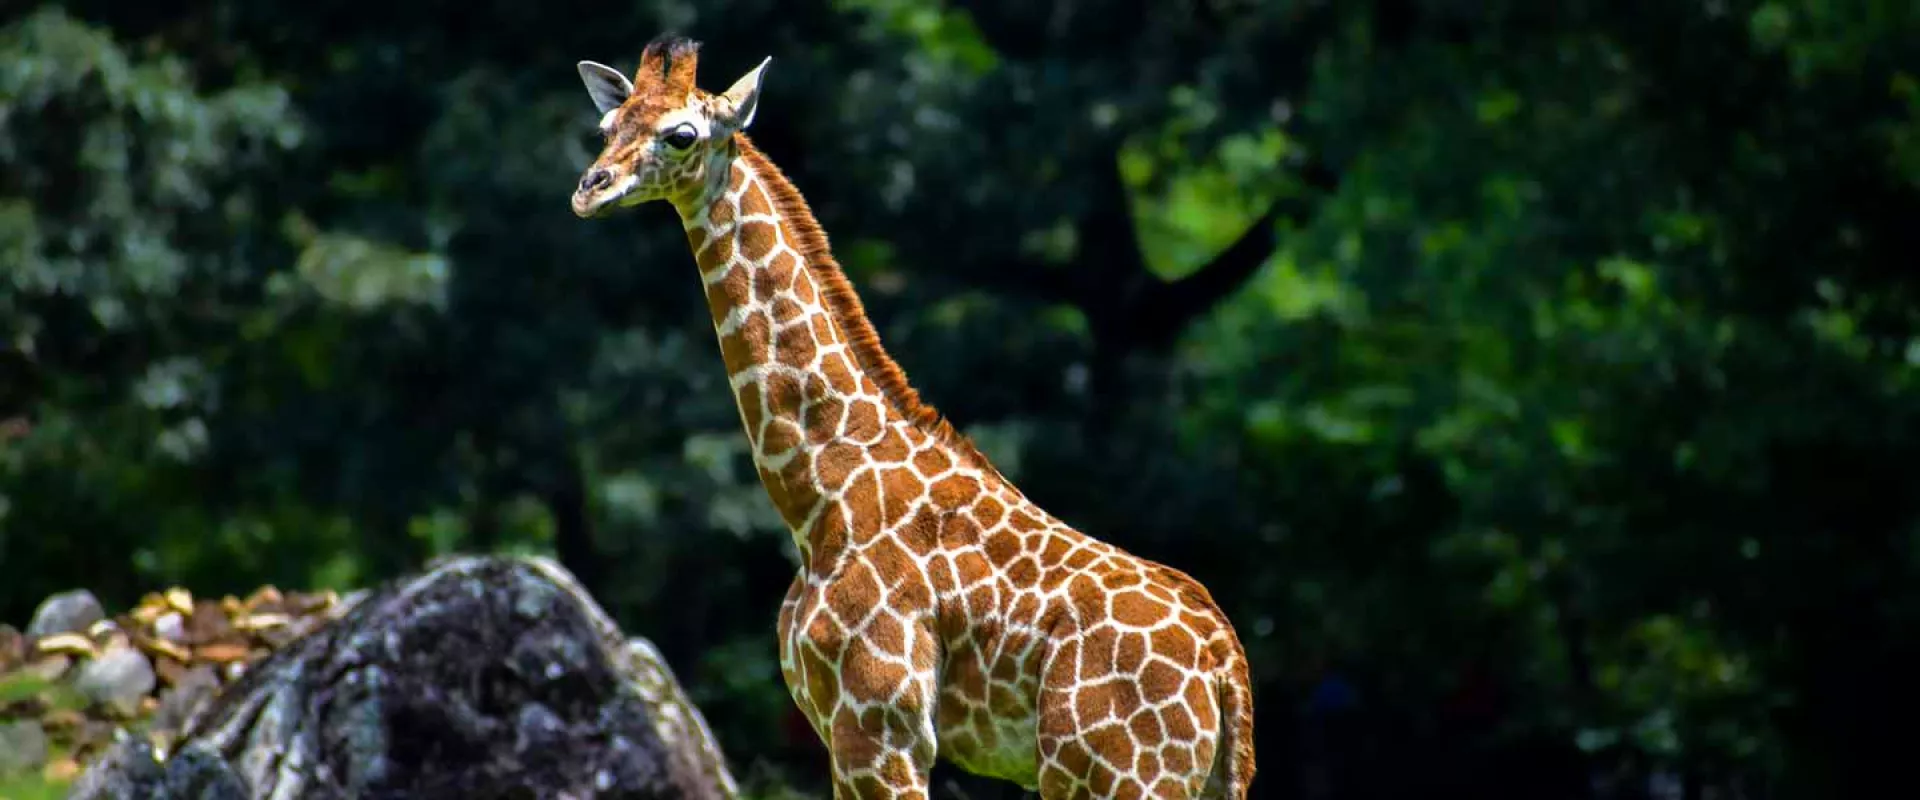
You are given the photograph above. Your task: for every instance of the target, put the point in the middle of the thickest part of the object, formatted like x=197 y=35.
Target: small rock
x=207 y=623
x=91 y=737
x=166 y=651
x=61 y=770
x=151 y=606
x=66 y=612
x=64 y=720
x=313 y=603
x=13 y=647
x=189 y=690
x=262 y=621
x=127 y=769
x=23 y=746
x=179 y=600
x=48 y=667
x=194 y=772
x=537 y=727
x=278 y=637
x=171 y=626
x=117 y=680
x=266 y=598
x=222 y=653
x=169 y=670
x=66 y=644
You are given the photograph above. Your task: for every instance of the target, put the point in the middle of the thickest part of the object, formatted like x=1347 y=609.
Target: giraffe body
x=937 y=612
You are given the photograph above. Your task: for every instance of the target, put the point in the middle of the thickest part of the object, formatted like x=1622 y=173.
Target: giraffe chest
x=979 y=703
x=986 y=718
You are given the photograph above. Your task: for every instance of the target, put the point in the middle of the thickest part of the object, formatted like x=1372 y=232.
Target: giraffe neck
x=820 y=399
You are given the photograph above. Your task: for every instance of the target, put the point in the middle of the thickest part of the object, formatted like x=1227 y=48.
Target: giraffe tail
x=1233 y=766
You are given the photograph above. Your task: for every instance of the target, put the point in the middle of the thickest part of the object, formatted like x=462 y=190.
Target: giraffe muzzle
x=598 y=190
x=595 y=180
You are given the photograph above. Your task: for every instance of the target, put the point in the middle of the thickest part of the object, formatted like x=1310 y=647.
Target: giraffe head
x=665 y=138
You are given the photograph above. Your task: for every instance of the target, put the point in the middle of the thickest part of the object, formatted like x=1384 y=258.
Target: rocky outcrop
x=479 y=678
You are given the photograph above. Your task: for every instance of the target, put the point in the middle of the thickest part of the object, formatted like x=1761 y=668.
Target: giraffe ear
x=608 y=87
x=743 y=98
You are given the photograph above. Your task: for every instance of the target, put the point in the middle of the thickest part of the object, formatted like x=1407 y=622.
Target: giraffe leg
x=791 y=667
x=882 y=752
x=881 y=727
x=1082 y=762
x=1098 y=740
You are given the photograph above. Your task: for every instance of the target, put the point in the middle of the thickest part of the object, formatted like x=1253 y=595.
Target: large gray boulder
x=480 y=678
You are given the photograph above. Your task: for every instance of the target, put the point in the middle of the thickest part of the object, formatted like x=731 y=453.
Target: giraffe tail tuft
x=1233 y=766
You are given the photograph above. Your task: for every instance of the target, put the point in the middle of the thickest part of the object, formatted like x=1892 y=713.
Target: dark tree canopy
x=1532 y=382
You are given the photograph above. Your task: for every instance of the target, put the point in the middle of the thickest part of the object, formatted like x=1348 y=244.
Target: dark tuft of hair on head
x=668 y=50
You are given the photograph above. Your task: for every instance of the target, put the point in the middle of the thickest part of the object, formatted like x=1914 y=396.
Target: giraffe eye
x=681 y=137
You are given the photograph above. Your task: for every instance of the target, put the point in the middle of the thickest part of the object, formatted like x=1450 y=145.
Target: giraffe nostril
x=596 y=179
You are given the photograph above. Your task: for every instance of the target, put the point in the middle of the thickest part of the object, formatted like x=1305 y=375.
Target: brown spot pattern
x=1064 y=664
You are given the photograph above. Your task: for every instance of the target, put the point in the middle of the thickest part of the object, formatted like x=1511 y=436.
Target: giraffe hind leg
x=1102 y=759
x=1114 y=735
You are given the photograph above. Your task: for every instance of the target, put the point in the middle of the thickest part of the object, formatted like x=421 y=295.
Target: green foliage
x=54 y=695
x=1568 y=419
x=31 y=787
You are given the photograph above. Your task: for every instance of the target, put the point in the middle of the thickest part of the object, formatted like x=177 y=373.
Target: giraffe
x=936 y=611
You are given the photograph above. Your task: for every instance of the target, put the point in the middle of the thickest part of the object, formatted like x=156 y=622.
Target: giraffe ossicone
x=937 y=612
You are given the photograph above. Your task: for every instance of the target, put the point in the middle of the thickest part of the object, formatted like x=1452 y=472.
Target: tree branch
x=1158 y=312
x=1107 y=233
x=565 y=496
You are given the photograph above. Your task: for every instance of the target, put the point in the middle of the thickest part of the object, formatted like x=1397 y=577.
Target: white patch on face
x=623 y=190
x=606 y=120
x=690 y=116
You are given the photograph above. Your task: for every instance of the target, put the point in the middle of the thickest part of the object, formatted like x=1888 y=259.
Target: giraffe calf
x=937 y=612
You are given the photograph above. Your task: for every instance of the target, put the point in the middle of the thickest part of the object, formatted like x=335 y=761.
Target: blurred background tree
x=1533 y=383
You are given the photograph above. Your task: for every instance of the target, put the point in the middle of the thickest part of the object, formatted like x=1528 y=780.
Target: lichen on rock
x=481 y=677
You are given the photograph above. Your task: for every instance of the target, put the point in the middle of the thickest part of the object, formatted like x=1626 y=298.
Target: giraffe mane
x=668 y=64
x=844 y=306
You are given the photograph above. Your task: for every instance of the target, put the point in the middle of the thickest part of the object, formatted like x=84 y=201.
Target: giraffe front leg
x=792 y=666
x=882 y=730
x=881 y=752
